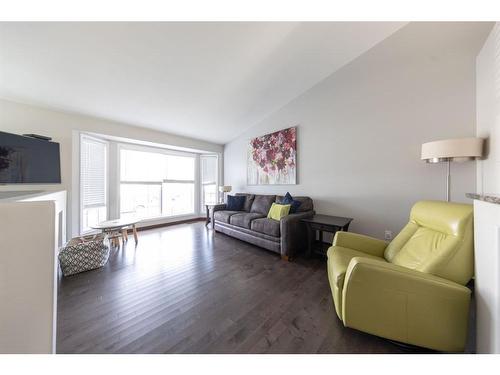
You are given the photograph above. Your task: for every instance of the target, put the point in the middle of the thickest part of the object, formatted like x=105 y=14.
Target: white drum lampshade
x=448 y=150
x=223 y=190
x=458 y=149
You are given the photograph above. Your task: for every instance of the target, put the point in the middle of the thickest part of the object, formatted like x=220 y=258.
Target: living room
x=249 y=187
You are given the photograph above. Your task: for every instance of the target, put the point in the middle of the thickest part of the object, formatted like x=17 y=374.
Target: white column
x=487 y=275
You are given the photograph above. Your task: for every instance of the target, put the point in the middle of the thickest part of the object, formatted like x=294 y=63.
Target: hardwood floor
x=184 y=289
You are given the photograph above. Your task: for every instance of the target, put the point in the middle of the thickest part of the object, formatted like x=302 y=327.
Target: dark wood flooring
x=184 y=289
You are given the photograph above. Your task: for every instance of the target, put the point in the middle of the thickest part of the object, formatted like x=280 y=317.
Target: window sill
x=155 y=221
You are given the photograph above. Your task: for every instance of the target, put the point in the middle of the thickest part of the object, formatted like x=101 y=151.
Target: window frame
x=127 y=146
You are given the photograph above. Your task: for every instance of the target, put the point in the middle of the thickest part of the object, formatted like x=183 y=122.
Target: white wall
x=487 y=215
x=361 y=129
x=63 y=127
x=488 y=112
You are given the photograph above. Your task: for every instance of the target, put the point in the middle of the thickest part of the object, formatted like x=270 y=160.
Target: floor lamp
x=223 y=190
x=448 y=150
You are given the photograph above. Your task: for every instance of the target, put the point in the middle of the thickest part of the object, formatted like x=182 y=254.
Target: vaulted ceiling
x=209 y=81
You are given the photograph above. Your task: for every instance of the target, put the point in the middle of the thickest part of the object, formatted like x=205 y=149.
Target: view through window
x=149 y=182
x=154 y=184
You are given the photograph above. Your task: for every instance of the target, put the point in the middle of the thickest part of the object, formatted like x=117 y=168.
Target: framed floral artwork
x=272 y=158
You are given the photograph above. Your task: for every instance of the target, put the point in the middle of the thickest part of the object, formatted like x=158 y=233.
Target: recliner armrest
x=359 y=242
x=405 y=305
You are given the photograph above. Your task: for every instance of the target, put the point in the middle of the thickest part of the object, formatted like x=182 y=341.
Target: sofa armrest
x=405 y=305
x=294 y=233
x=359 y=242
x=219 y=207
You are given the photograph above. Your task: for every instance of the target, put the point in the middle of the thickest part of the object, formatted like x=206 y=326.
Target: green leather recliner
x=412 y=289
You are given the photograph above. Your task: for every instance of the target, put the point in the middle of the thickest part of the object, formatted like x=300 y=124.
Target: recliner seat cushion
x=244 y=219
x=266 y=226
x=224 y=216
x=262 y=203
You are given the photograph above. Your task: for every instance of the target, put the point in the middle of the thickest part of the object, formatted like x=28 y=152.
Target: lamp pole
x=448 y=163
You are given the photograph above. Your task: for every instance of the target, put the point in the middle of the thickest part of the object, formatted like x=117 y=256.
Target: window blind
x=93 y=172
x=208 y=169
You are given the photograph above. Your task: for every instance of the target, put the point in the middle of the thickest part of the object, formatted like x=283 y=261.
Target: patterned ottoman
x=84 y=254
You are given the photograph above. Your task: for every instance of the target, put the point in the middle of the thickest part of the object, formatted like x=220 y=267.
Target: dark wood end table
x=323 y=223
x=210 y=207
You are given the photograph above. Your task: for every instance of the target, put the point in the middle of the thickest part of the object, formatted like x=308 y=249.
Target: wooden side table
x=209 y=207
x=323 y=223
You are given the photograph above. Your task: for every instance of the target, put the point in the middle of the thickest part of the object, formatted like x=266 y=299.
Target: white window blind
x=208 y=169
x=93 y=172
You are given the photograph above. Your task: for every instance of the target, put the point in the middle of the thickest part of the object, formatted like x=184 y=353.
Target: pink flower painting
x=272 y=158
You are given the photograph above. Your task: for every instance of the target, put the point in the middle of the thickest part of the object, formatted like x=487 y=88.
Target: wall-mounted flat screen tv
x=27 y=160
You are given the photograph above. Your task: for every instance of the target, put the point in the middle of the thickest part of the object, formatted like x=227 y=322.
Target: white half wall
x=360 y=130
x=487 y=215
x=63 y=127
x=488 y=113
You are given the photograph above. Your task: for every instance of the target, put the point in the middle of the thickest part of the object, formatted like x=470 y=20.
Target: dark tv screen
x=26 y=160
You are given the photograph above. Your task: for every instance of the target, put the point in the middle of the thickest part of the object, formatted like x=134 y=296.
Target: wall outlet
x=388 y=235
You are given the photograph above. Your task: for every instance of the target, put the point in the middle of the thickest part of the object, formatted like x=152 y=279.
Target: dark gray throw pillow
x=235 y=202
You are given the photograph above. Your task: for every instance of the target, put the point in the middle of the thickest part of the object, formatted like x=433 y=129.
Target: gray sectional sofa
x=286 y=237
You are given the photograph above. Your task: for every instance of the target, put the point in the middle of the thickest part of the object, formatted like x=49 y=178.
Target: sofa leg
x=286 y=258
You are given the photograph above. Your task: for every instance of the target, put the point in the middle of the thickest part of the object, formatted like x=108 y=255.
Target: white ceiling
x=209 y=81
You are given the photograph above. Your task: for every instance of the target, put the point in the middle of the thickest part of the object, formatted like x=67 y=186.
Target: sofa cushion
x=248 y=201
x=306 y=203
x=262 y=203
x=244 y=219
x=266 y=226
x=234 y=229
x=224 y=216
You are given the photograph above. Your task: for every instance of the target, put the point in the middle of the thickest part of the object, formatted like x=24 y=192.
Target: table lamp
x=448 y=150
x=224 y=189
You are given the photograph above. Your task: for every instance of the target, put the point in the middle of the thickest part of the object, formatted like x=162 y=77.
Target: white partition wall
x=487 y=214
x=32 y=227
x=487 y=279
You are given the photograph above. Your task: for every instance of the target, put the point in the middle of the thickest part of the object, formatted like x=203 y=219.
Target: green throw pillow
x=277 y=211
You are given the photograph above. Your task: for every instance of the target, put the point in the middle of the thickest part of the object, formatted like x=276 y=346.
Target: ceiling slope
x=208 y=81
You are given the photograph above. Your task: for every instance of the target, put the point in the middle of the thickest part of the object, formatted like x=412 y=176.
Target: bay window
x=128 y=180
x=156 y=183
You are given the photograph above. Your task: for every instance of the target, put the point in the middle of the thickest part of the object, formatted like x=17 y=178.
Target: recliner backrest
x=438 y=240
